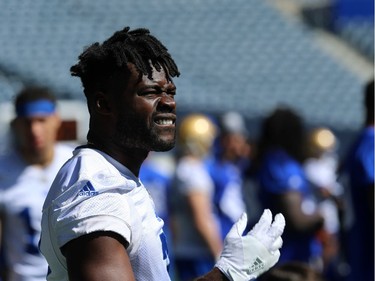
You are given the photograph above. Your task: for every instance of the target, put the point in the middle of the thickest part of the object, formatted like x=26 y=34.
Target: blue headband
x=39 y=107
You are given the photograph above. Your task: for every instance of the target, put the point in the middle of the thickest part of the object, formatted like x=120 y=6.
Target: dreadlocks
x=99 y=62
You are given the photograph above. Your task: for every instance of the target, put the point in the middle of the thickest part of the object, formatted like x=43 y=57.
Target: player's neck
x=132 y=158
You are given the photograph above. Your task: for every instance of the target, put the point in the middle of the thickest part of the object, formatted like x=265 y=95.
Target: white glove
x=246 y=257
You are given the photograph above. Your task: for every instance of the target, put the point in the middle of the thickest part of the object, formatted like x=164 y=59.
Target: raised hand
x=245 y=257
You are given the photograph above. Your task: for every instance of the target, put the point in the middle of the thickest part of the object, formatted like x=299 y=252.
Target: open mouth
x=165 y=121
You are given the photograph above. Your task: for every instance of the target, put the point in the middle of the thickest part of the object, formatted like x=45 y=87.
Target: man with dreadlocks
x=98 y=220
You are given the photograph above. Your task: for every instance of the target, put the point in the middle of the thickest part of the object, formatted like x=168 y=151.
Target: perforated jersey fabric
x=93 y=192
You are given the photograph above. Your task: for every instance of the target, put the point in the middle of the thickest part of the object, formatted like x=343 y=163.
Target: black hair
x=99 y=62
x=369 y=102
x=283 y=128
x=34 y=93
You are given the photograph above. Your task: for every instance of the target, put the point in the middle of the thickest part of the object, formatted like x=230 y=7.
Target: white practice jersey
x=23 y=189
x=191 y=177
x=93 y=192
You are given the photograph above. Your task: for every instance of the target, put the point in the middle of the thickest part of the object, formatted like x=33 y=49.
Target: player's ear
x=102 y=105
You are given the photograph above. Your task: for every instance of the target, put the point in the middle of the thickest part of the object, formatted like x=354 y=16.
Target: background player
x=26 y=173
x=360 y=168
x=197 y=239
x=226 y=166
x=283 y=186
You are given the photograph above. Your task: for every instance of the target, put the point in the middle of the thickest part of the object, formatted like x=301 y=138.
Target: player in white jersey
x=111 y=199
x=98 y=221
x=196 y=233
x=26 y=173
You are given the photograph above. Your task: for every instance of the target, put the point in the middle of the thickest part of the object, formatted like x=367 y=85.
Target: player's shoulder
x=88 y=161
x=86 y=174
x=100 y=169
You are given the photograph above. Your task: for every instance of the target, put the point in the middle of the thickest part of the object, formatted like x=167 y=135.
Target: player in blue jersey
x=27 y=170
x=156 y=175
x=277 y=168
x=99 y=221
x=226 y=166
x=360 y=168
